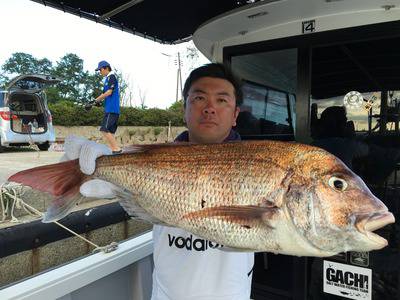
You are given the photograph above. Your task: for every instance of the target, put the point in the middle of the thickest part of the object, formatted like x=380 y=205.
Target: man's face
x=210 y=110
x=103 y=71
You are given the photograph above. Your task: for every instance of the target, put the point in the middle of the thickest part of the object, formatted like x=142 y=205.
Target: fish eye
x=337 y=183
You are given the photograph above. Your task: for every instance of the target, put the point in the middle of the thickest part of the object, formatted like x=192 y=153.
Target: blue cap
x=102 y=64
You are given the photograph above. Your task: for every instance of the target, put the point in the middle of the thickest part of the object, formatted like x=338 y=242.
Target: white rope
x=19 y=203
x=32 y=144
x=3 y=209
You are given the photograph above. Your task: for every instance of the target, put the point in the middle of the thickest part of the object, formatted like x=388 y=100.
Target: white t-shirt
x=187 y=267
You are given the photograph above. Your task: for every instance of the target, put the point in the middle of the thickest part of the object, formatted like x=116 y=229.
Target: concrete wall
x=125 y=135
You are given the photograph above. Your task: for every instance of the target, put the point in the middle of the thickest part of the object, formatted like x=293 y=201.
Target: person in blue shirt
x=110 y=96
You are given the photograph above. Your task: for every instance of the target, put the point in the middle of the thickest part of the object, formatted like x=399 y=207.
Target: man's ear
x=184 y=115
x=236 y=114
x=184 y=111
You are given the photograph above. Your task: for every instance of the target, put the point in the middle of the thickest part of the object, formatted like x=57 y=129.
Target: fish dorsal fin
x=148 y=147
x=140 y=148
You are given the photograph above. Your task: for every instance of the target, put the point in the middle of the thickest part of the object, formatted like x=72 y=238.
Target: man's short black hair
x=215 y=70
x=108 y=67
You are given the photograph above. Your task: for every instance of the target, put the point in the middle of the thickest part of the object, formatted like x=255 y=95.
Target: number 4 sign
x=308 y=26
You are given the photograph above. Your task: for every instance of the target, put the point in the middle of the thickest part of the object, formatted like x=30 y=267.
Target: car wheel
x=1 y=147
x=44 y=146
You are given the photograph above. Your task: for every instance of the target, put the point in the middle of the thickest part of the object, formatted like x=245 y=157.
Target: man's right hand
x=88 y=106
x=86 y=151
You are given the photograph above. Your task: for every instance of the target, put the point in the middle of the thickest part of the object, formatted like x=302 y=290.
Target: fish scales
x=173 y=182
x=272 y=196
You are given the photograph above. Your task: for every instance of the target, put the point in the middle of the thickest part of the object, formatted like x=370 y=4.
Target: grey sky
x=46 y=32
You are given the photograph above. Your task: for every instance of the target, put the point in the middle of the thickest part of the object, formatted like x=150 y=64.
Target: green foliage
x=23 y=63
x=76 y=85
x=131 y=132
x=123 y=84
x=65 y=113
x=3 y=80
x=157 y=131
x=177 y=107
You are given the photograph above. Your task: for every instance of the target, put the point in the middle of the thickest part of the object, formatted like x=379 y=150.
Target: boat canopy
x=179 y=18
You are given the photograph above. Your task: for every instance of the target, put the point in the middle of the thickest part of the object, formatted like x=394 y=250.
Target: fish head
x=332 y=208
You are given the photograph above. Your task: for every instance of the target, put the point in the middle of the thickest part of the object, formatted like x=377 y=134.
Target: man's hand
x=87 y=152
x=88 y=106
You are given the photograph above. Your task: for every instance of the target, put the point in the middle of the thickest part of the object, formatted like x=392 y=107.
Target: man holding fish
x=185 y=265
x=215 y=195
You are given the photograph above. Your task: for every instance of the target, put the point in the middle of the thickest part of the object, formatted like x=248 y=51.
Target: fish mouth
x=367 y=223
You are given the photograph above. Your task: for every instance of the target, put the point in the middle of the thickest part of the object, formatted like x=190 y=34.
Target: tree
x=125 y=90
x=142 y=97
x=177 y=107
x=3 y=80
x=192 y=56
x=73 y=85
x=23 y=63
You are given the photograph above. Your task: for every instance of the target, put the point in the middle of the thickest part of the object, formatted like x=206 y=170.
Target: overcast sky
x=46 y=32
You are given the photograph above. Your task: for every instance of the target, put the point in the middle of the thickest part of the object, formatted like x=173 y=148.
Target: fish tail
x=61 y=180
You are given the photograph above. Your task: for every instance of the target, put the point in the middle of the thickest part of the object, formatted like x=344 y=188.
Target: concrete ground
x=16 y=159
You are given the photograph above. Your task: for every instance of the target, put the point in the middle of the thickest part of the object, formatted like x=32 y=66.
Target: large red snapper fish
x=269 y=196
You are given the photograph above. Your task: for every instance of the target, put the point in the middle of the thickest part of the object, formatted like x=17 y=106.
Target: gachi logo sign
x=347 y=281
x=347 y=278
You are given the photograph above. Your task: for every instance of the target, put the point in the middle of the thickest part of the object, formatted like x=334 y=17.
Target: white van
x=24 y=115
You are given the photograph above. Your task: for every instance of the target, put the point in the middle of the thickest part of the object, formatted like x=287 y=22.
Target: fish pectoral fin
x=230 y=249
x=127 y=200
x=245 y=215
x=62 y=205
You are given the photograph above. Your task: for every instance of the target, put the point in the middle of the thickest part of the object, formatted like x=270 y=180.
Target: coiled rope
x=9 y=193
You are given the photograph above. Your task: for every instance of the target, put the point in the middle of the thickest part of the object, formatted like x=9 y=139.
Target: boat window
x=355 y=115
x=269 y=93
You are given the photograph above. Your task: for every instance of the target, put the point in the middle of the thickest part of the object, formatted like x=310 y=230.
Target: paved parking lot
x=13 y=161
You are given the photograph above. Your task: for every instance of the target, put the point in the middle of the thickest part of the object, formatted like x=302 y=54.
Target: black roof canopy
x=164 y=21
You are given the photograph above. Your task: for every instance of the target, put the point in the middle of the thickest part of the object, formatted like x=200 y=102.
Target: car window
x=29 y=84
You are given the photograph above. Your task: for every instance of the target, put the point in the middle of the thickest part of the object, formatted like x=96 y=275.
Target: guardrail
x=86 y=271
